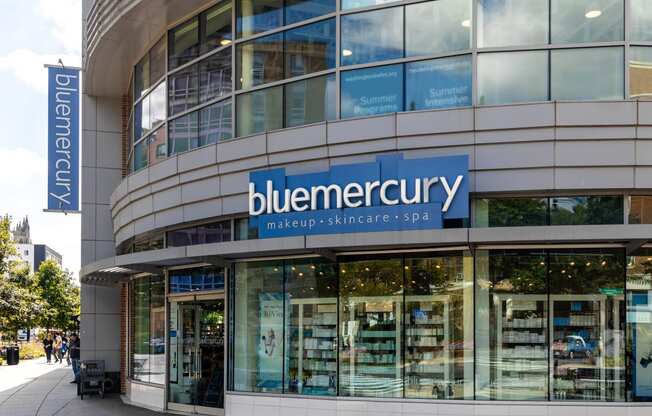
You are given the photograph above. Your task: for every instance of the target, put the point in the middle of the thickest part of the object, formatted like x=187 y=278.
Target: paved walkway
x=35 y=388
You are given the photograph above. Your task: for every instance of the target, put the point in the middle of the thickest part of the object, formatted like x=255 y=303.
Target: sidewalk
x=35 y=388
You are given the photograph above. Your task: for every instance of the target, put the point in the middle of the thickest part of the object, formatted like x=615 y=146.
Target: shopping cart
x=91 y=377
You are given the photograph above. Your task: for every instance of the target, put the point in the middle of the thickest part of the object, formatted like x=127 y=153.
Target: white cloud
x=27 y=66
x=23 y=165
x=66 y=21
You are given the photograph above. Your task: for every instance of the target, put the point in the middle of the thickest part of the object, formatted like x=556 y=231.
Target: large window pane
x=298 y=10
x=372 y=91
x=310 y=101
x=588 y=317
x=372 y=36
x=439 y=83
x=142 y=123
x=587 y=74
x=215 y=27
x=640 y=209
x=371 y=306
x=311 y=327
x=198 y=279
x=183 y=90
x=183 y=43
x=148 y=329
x=259 y=307
x=439 y=327
x=157 y=145
x=255 y=16
x=640 y=72
x=511 y=325
x=157 y=60
x=157 y=105
x=140 y=155
x=512 y=22
x=310 y=48
x=157 y=330
x=583 y=210
x=640 y=20
x=141 y=77
x=215 y=76
x=260 y=61
x=510 y=212
x=215 y=123
x=353 y=4
x=437 y=26
x=512 y=77
x=639 y=326
x=259 y=111
x=576 y=21
x=183 y=133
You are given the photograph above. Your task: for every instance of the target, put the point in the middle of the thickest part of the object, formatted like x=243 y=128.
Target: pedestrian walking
x=57 y=348
x=74 y=352
x=65 y=348
x=47 y=346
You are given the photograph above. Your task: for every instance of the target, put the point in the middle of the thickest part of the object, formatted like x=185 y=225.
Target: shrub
x=31 y=350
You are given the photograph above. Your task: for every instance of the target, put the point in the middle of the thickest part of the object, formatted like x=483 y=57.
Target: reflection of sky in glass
x=512 y=22
x=569 y=22
x=437 y=26
x=372 y=36
x=640 y=19
x=255 y=16
x=299 y=10
x=372 y=91
x=512 y=77
x=438 y=83
x=353 y=4
x=587 y=74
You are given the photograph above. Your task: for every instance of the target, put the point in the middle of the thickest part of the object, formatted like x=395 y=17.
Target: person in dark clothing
x=47 y=346
x=74 y=353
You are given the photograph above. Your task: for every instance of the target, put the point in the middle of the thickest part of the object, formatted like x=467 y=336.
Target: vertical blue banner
x=63 y=139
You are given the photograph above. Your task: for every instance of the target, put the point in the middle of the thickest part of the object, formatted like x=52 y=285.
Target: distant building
x=32 y=254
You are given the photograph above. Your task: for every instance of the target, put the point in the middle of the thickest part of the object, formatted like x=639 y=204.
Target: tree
x=7 y=246
x=59 y=295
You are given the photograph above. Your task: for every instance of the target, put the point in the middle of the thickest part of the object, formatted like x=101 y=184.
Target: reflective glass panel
x=157 y=60
x=311 y=327
x=142 y=124
x=372 y=91
x=183 y=43
x=512 y=77
x=141 y=77
x=140 y=155
x=512 y=22
x=371 y=307
x=640 y=20
x=587 y=304
x=640 y=209
x=255 y=16
x=259 y=111
x=438 y=83
x=183 y=133
x=639 y=326
x=157 y=105
x=640 y=72
x=157 y=144
x=198 y=279
x=310 y=48
x=583 y=210
x=439 y=327
x=148 y=327
x=310 y=101
x=258 y=341
x=183 y=90
x=215 y=24
x=353 y=4
x=575 y=21
x=510 y=212
x=215 y=76
x=157 y=330
x=587 y=74
x=437 y=26
x=260 y=61
x=372 y=36
x=511 y=324
x=298 y=10
x=215 y=123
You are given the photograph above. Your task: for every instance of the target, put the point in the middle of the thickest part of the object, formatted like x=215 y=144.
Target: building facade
x=27 y=252
x=369 y=207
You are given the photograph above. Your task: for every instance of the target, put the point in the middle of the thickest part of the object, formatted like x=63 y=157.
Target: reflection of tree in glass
x=517 y=212
x=576 y=272
x=371 y=278
x=519 y=272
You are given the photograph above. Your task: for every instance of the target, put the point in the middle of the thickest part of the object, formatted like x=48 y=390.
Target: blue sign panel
x=391 y=194
x=372 y=91
x=439 y=83
x=63 y=139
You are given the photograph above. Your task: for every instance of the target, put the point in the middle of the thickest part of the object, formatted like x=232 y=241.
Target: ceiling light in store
x=604 y=263
x=366 y=269
x=572 y=263
x=407 y=267
x=592 y=14
x=225 y=42
x=347 y=52
x=438 y=266
x=588 y=263
x=466 y=23
x=542 y=263
x=301 y=274
x=312 y=266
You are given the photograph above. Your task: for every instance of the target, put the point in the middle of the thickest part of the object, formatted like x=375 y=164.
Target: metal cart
x=91 y=377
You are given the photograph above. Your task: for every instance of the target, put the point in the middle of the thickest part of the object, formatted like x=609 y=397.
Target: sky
x=34 y=32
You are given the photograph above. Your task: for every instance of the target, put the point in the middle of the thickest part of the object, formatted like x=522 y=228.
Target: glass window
x=512 y=77
x=298 y=10
x=353 y=4
x=639 y=325
x=310 y=101
x=640 y=209
x=310 y=48
x=512 y=22
x=587 y=74
x=183 y=133
x=243 y=230
x=157 y=105
x=198 y=279
x=588 y=317
x=157 y=60
x=141 y=77
x=437 y=26
x=372 y=36
x=640 y=73
x=258 y=337
x=183 y=43
x=215 y=123
x=215 y=27
x=255 y=16
x=439 y=83
x=147 y=243
x=215 y=76
x=583 y=210
x=311 y=327
x=259 y=111
x=148 y=327
x=439 y=327
x=140 y=155
x=372 y=91
x=640 y=23
x=586 y=20
x=511 y=325
x=157 y=144
x=260 y=61
x=183 y=90
x=510 y=212
x=371 y=306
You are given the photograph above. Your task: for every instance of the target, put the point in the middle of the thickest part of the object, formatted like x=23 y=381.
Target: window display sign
x=641 y=319
x=270 y=351
x=391 y=194
x=372 y=91
x=439 y=83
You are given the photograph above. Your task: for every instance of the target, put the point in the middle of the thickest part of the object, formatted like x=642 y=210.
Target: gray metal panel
x=109 y=150
x=167 y=199
x=428 y=122
x=510 y=180
x=242 y=148
x=297 y=138
x=197 y=158
x=515 y=116
x=514 y=155
x=594 y=178
x=169 y=217
x=161 y=170
x=596 y=113
x=203 y=209
x=200 y=190
x=435 y=140
x=377 y=127
x=595 y=153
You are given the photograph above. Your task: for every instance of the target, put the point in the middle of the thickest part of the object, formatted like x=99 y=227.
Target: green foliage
x=30 y=351
x=7 y=246
x=59 y=295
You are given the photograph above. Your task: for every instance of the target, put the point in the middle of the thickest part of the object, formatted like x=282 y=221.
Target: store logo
x=387 y=195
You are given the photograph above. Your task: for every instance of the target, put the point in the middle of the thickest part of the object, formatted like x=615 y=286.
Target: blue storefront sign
x=63 y=139
x=390 y=194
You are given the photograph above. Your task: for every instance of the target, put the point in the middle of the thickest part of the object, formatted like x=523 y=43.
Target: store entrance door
x=196 y=364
